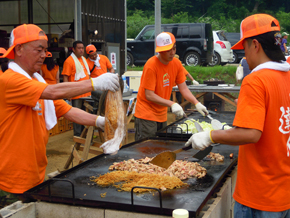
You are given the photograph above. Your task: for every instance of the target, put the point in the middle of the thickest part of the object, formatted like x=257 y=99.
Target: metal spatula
x=215 y=123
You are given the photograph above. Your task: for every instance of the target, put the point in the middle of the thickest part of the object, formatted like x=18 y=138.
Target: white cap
x=164 y=42
x=180 y=213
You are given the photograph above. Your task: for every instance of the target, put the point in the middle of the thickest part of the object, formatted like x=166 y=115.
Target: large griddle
x=173 y=131
x=74 y=186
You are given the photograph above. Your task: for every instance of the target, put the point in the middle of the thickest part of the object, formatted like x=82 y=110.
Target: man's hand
x=201 y=109
x=106 y=81
x=194 y=82
x=177 y=110
x=200 y=140
x=100 y=122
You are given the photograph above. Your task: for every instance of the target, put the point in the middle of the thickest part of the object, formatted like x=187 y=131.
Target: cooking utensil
x=166 y=158
x=201 y=154
x=215 y=123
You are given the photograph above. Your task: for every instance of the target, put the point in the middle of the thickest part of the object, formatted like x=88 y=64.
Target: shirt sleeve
x=149 y=79
x=109 y=65
x=180 y=78
x=251 y=104
x=24 y=91
x=61 y=107
x=67 y=67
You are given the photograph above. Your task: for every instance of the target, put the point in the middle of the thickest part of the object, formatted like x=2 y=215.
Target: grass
x=200 y=74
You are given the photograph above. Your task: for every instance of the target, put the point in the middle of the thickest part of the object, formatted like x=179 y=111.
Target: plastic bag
x=239 y=73
x=115 y=127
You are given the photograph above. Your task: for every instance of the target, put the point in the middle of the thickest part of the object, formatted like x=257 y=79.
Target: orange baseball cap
x=90 y=49
x=164 y=42
x=2 y=52
x=48 y=54
x=254 y=25
x=23 y=34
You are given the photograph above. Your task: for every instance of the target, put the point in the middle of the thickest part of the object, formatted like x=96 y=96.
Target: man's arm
x=66 y=90
x=112 y=70
x=79 y=116
x=57 y=76
x=236 y=136
x=285 y=47
x=190 y=77
x=186 y=93
x=151 y=96
x=65 y=78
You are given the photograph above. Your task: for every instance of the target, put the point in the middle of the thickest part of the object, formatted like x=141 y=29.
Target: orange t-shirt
x=23 y=135
x=49 y=76
x=159 y=78
x=288 y=60
x=69 y=69
x=105 y=64
x=263 y=180
x=1 y=72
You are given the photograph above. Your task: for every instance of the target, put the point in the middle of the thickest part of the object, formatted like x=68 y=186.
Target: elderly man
x=261 y=124
x=98 y=64
x=160 y=74
x=29 y=108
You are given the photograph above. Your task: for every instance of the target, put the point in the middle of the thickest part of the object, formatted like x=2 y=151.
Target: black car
x=233 y=38
x=194 y=43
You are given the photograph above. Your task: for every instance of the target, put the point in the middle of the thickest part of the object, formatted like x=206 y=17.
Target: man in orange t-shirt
x=98 y=64
x=261 y=124
x=50 y=70
x=30 y=107
x=160 y=74
x=75 y=69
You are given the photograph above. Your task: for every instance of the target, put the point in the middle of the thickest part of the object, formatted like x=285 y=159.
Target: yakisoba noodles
x=132 y=173
x=130 y=179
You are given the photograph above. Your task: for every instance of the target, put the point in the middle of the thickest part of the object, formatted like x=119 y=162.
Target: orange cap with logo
x=254 y=25
x=90 y=49
x=23 y=34
x=164 y=42
x=2 y=52
x=48 y=54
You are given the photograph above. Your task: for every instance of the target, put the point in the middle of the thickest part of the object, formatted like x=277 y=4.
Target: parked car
x=194 y=43
x=233 y=38
x=223 y=53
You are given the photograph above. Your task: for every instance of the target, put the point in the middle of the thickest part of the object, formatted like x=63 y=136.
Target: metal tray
x=74 y=185
x=173 y=131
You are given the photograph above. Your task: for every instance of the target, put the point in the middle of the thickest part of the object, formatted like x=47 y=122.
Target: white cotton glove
x=200 y=140
x=201 y=109
x=239 y=73
x=177 y=110
x=194 y=82
x=106 y=81
x=100 y=122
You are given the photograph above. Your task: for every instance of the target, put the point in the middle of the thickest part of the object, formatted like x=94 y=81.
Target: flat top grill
x=74 y=185
x=173 y=131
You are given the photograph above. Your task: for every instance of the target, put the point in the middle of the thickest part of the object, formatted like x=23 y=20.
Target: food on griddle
x=231 y=155
x=103 y=195
x=181 y=169
x=125 y=181
x=189 y=127
x=216 y=156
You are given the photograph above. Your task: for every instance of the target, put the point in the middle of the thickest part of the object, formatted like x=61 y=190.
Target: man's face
x=32 y=55
x=93 y=55
x=168 y=56
x=248 y=47
x=79 y=50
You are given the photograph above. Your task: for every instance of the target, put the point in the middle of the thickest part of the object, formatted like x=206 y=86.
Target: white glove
x=194 y=82
x=239 y=73
x=200 y=140
x=177 y=110
x=201 y=109
x=106 y=81
x=100 y=122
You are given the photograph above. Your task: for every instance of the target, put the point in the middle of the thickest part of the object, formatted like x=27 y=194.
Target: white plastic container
x=180 y=213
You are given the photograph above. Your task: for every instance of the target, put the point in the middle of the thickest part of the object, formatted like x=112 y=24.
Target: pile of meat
x=180 y=169
x=216 y=156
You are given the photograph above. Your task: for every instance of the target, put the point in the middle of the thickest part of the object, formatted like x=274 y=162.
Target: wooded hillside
x=222 y=14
